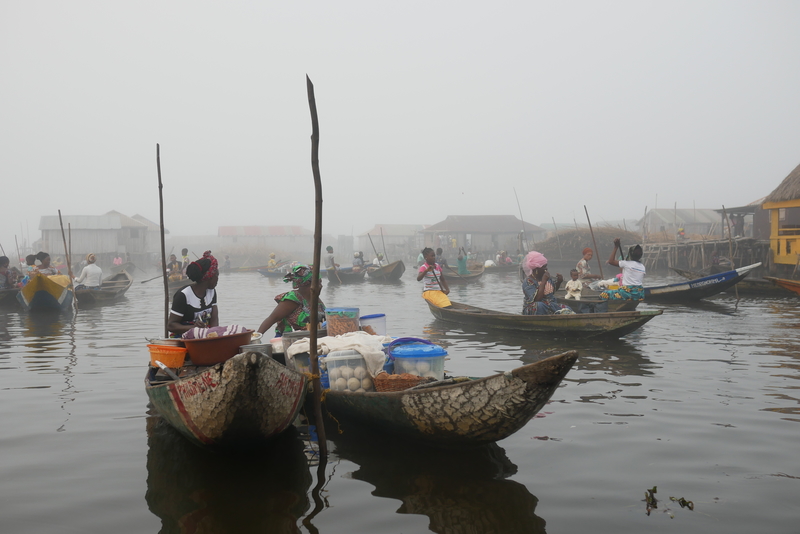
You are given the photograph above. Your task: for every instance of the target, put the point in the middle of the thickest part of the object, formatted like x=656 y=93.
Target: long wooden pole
x=163 y=246
x=558 y=239
x=385 y=254
x=18 y=256
x=69 y=268
x=597 y=251
x=315 y=289
x=524 y=235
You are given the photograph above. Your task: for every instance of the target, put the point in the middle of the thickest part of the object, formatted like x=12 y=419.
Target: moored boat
x=346 y=276
x=43 y=293
x=112 y=288
x=457 y=412
x=582 y=325
x=387 y=273
x=762 y=287
x=785 y=283
x=698 y=288
x=453 y=278
x=248 y=398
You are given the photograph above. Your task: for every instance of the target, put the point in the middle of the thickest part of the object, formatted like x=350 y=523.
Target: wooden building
x=482 y=234
x=784 y=207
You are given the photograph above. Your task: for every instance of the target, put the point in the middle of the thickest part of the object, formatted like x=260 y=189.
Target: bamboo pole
x=597 y=252
x=385 y=254
x=18 y=256
x=558 y=239
x=524 y=235
x=644 y=226
x=69 y=268
x=315 y=286
x=163 y=246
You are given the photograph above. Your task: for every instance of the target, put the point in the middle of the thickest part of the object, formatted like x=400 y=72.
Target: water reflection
x=195 y=490
x=460 y=491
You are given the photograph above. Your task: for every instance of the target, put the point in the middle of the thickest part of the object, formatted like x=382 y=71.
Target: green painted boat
x=458 y=412
x=572 y=326
x=247 y=398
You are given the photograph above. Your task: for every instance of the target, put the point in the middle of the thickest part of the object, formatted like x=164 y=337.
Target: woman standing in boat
x=632 y=275
x=539 y=288
x=293 y=311
x=435 y=288
x=196 y=304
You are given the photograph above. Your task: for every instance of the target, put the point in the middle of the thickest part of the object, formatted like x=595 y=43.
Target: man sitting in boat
x=358 y=261
x=196 y=304
x=174 y=270
x=271 y=263
x=91 y=276
x=633 y=273
x=293 y=311
x=540 y=289
x=379 y=261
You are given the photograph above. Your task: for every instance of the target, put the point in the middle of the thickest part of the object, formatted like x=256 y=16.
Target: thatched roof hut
x=789 y=188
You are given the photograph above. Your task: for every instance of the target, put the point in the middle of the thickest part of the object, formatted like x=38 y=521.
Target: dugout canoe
x=453 y=278
x=791 y=285
x=128 y=266
x=46 y=293
x=572 y=326
x=613 y=305
x=458 y=412
x=698 y=288
x=112 y=288
x=345 y=276
x=761 y=287
x=246 y=399
x=387 y=273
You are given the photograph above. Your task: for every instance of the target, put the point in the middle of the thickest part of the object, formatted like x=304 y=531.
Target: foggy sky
x=426 y=109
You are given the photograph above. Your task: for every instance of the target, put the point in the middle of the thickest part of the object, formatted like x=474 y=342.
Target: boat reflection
x=196 y=490
x=461 y=491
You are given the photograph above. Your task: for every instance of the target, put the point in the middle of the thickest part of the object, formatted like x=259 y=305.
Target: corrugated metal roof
x=127 y=222
x=263 y=231
x=80 y=222
x=482 y=224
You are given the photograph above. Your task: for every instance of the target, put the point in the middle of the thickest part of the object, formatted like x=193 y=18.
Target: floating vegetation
x=652 y=503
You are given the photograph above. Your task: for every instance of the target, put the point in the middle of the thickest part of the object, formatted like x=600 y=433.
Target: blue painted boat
x=698 y=288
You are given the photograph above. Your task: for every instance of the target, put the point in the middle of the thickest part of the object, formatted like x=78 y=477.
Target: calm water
x=702 y=403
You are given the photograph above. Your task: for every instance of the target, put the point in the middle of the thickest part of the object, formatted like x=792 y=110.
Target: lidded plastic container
x=377 y=321
x=341 y=320
x=419 y=359
x=347 y=371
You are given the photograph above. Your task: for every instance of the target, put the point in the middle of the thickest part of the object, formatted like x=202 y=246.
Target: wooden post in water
x=315 y=289
x=163 y=247
x=597 y=252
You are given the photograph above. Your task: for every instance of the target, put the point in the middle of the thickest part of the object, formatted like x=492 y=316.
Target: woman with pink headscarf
x=539 y=288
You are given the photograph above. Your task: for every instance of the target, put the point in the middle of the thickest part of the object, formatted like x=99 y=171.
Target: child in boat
x=435 y=288
x=633 y=272
x=574 y=286
x=539 y=288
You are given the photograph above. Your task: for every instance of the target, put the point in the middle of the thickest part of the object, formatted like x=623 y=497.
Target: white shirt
x=91 y=276
x=632 y=273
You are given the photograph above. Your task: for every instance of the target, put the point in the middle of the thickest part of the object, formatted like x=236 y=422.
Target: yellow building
x=784 y=207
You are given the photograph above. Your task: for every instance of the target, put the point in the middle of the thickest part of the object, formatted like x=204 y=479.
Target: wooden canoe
x=8 y=297
x=613 y=305
x=698 y=288
x=247 y=398
x=179 y=284
x=346 y=276
x=387 y=273
x=762 y=287
x=791 y=285
x=453 y=278
x=112 y=288
x=460 y=412
x=572 y=326
x=128 y=266
x=46 y=293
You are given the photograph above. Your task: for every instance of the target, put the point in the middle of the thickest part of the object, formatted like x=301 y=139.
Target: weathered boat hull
x=128 y=266
x=469 y=413
x=43 y=294
x=613 y=305
x=584 y=325
x=250 y=397
x=346 y=276
x=113 y=288
x=762 y=287
x=453 y=278
x=699 y=288
x=790 y=285
x=387 y=273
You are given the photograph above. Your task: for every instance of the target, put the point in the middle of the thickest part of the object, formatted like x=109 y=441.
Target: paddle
x=456 y=272
x=151 y=279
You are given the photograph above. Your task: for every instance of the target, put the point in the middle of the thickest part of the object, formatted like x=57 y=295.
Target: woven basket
x=387 y=382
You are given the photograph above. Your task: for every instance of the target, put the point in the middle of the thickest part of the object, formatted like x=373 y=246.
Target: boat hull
x=469 y=413
x=453 y=278
x=248 y=398
x=113 y=288
x=699 y=288
x=585 y=325
x=346 y=276
x=42 y=293
x=8 y=297
x=790 y=285
x=387 y=273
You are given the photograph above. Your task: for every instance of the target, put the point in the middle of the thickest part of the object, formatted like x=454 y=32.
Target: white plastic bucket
x=377 y=321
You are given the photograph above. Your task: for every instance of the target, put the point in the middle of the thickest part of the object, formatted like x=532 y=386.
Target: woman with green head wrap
x=293 y=311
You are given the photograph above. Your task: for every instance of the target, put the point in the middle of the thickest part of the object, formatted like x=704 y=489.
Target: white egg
x=366 y=383
x=354 y=383
x=423 y=366
x=347 y=373
x=359 y=372
x=334 y=374
x=341 y=384
x=360 y=390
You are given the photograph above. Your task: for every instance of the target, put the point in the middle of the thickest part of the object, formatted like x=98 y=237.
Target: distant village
x=766 y=230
